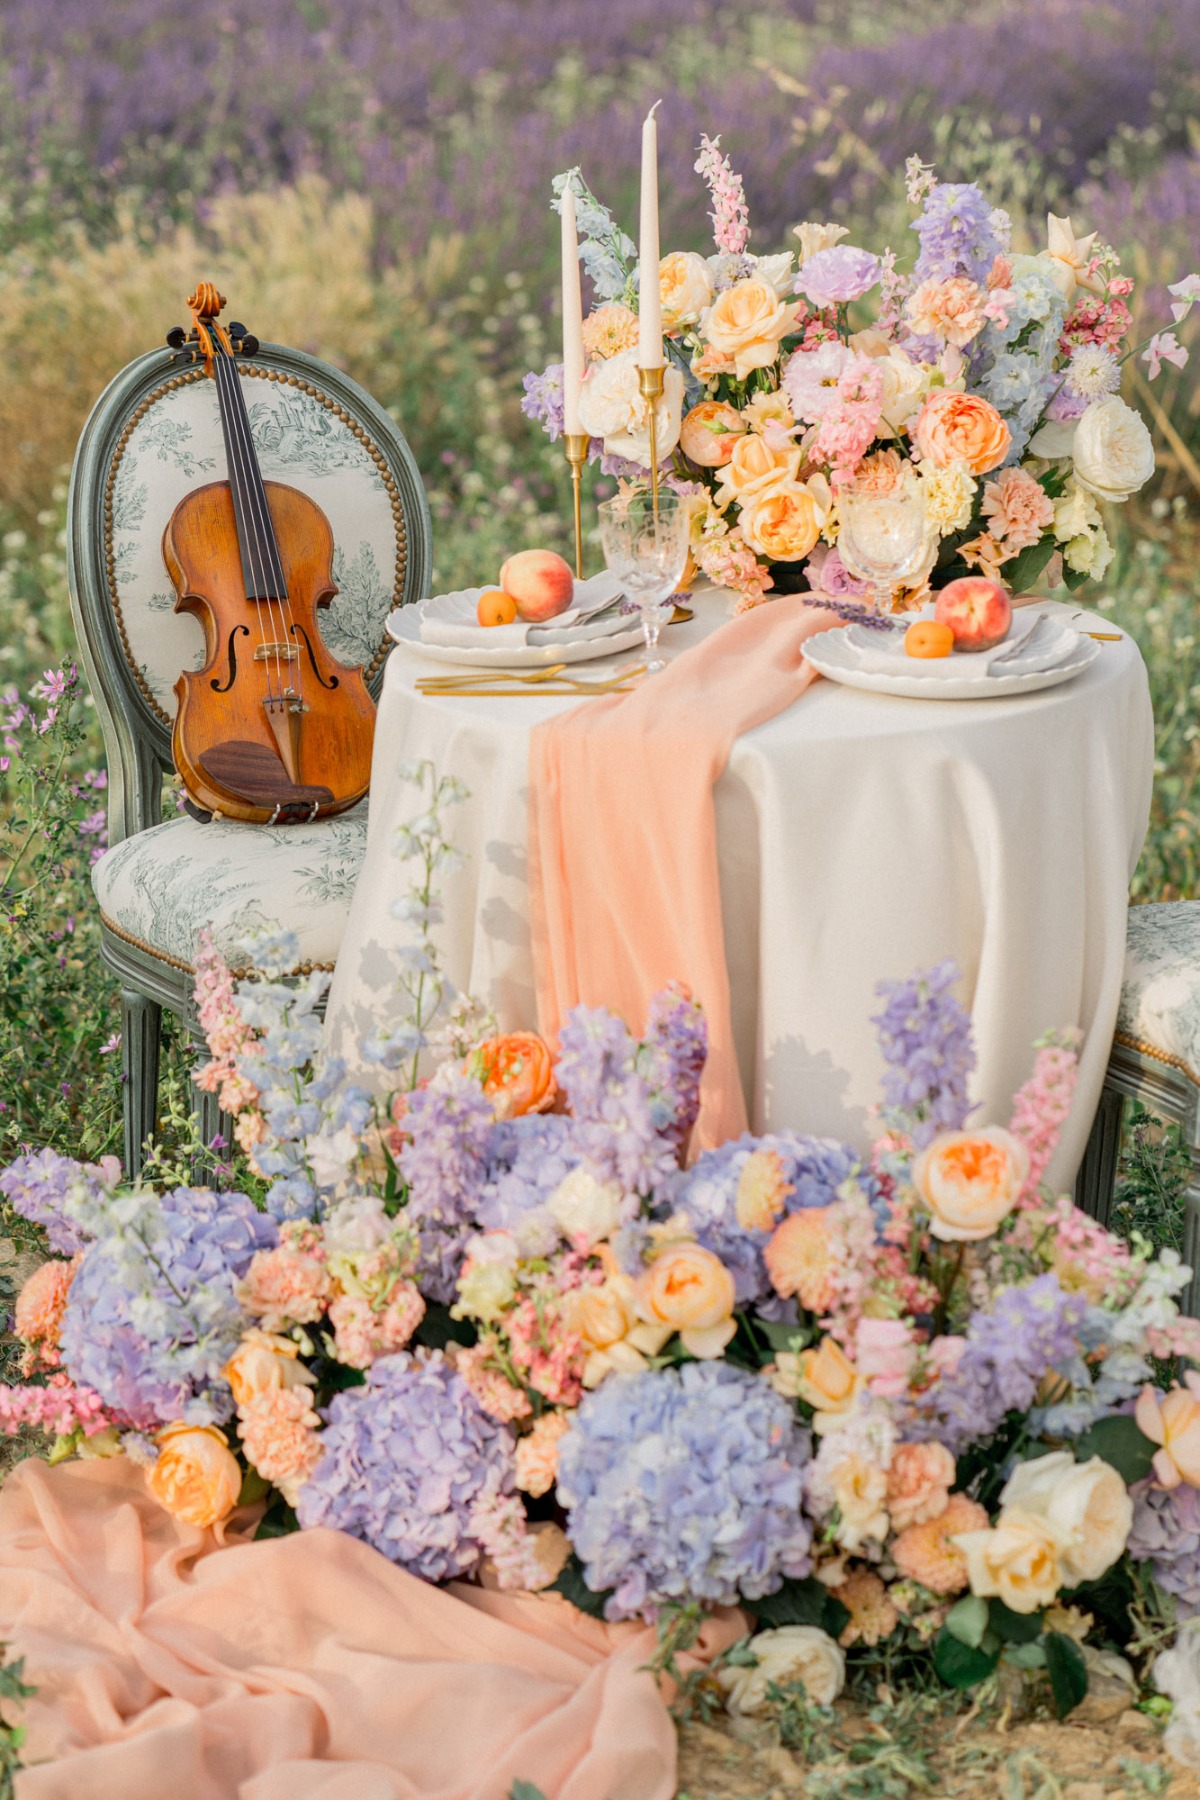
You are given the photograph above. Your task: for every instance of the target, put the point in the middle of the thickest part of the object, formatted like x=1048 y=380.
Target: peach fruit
x=540 y=582
x=927 y=638
x=496 y=607
x=978 y=612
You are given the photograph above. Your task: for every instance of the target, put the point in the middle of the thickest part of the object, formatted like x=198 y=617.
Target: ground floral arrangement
x=988 y=379
x=911 y=1410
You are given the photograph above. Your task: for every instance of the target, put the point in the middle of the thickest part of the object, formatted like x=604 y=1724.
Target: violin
x=273 y=729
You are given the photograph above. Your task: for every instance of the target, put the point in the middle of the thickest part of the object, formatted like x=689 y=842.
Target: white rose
x=790 y=1653
x=1113 y=451
x=1074 y=513
x=1054 y=439
x=611 y=407
x=584 y=1207
x=905 y=385
x=356 y=1225
x=1086 y=1506
x=776 y=271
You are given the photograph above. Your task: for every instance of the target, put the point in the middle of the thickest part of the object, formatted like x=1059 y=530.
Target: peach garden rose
x=782 y=525
x=747 y=322
x=1173 y=1423
x=196 y=1476
x=970 y=1181
x=951 y=426
x=685 y=286
x=1016 y=1560
x=710 y=433
x=689 y=1289
x=755 y=468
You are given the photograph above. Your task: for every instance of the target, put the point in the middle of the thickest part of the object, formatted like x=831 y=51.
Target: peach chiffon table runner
x=858 y=837
x=301 y=1668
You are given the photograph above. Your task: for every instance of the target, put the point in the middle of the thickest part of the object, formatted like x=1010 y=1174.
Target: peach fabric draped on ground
x=300 y=1668
x=624 y=885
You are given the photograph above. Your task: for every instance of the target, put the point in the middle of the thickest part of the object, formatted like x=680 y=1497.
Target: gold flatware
x=513 y=693
x=681 y=615
x=562 y=685
x=531 y=679
x=1105 y=637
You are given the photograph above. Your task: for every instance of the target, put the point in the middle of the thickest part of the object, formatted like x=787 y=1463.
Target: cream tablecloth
x=861 y=837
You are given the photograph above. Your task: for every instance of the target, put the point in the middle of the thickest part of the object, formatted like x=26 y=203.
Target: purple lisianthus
x=151 y=1319
x=685 y=1485
x=837 y=275
x=445 y=1163
x=544 y=399
x=826 y=573
x=925 y=1038
x=38 y=1186
x=1166 y=1534
x=406 y=1459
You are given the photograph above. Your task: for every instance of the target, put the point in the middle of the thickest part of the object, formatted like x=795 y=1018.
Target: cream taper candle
x=572 y=309
x=650 y=346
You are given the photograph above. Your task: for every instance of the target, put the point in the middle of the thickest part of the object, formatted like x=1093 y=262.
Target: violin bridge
x=276 y=653
x=284 y=716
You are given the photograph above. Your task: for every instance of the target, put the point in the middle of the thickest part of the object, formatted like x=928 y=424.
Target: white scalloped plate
x=829 y=652
x=404 y=627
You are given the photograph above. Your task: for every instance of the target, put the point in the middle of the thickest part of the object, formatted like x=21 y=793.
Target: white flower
x=1068 y=258
x=789 y=1653
x=1176 y=1673
x=585 y=1208
x=356 y=1225
x=331 y=1156
x=1085 y=1505
x=1074 y=512
x=776 y=271
x=686 y=288
x=1113 y=451
x=611 y=407
x=1054 y=439
x=815 y=237
x=1093 y=372
x=905 y=385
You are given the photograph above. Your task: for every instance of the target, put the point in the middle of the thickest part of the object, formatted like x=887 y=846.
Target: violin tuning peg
x=236 y=330
x=177 y=337
x=249 y=345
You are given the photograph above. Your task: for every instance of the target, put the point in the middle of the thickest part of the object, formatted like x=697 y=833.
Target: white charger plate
x=829 y=652
x=404 y=627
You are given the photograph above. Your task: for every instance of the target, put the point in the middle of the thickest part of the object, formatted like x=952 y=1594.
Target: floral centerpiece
x=986 y=376
x=909 y=1403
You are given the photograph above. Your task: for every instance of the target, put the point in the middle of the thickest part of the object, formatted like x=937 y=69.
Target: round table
x=861 y=837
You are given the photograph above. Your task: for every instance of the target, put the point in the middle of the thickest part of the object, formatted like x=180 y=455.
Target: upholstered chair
x=1155 y=1059
x=153 y=435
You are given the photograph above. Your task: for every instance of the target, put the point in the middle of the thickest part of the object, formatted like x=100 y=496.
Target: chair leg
x=1098 y=1171
x=141 y=1030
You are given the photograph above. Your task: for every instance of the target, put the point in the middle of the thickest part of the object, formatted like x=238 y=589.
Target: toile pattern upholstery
x=154 y=436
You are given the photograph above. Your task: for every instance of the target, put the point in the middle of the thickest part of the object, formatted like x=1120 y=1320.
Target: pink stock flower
x=280 y=1435
x=1017 y=508
x=1040 y=1108
x=361 y=1335
x=919 y=1481
x=730 y=215
x=727 y=559
x=537 y=1454
x=59 y=1409
x=547 y=1355
x=884 y=1355
x=493 y=1390
x=225 y=1031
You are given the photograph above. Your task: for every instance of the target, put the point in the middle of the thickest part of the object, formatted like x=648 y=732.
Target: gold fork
x=620 y=683
x=535 y=677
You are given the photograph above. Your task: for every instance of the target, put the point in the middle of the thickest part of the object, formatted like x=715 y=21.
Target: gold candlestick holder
x=576 y=445
x=650 y=381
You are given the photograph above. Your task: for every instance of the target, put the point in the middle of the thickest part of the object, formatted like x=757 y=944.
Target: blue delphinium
x=151 y=1319
x=618 y=1116
x=406 y=1459
x=445 y=1162
x=685 y=1485
x=957 y=229
x=925 y=1038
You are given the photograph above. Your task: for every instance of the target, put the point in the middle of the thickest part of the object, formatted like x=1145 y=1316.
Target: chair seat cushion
x=162 y=886
x=1160 y=996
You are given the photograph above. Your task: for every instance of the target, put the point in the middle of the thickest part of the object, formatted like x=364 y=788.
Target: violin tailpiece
x=253 y=772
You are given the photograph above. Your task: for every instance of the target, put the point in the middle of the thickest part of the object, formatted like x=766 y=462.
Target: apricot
x=496 y=607
x=928 y=638
x=540 y=582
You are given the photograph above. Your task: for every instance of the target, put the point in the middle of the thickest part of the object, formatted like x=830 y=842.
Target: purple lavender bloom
x=1166 y=1533
x=544 y=400
x=956 y=232
x=406 y=1459
x=155 y=1352
x=1029 y=1332
x=36 y=1187
x=925 y=1038
x=445 y=1163
x=817 y=1171
x=837 y=275
x=685 y=1485
x=618 y=1118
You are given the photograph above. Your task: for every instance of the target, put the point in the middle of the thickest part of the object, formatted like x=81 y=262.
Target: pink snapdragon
x=730 y=215
x=1040 y=1108
x=727 y=559
x=59 y=1409
x=225 y=1031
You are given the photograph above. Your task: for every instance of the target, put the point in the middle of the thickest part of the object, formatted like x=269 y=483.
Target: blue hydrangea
x=817 y=1169
x=685 y=1485
x=406 y=1459
x=39 y=1186
x=151 y=1319
x=925 y=1039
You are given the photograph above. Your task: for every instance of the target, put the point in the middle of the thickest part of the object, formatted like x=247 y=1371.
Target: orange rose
x=747 y=322
x=196 y=1477
x=710 y=432
x=691 y=1291
x=516 y=1073
x=953 y=427
x=265 y=1360
x=783 y=525
x=828 y=1380
x=970 y=1181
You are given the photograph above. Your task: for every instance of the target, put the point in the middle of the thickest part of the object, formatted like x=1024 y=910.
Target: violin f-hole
x=224 y=687
x=299 y=631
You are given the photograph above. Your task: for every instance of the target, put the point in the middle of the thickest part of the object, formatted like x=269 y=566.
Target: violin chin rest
x=253 y=772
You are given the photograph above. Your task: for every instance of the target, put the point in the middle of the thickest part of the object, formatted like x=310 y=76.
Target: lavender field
x=370 y=179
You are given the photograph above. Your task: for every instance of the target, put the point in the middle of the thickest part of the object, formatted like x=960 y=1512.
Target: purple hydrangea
x=151 y=1319
x=835 y=276
x=925 y=1038
x=1029 y=1332
x=445 y=1163
x=1166 y=1533
x=816 y=1169
x=620 y=1118
x=544 y=400
x=685 y=1484
x=406 y=1459
x=37 y=1187
x=957 y=233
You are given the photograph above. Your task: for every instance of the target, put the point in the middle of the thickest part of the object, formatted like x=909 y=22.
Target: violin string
x=255 y=551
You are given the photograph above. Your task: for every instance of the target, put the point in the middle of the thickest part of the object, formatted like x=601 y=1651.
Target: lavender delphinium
x=957 y=230
x=1166 y=1534
x=445 y=1163
x=617 y=1118
x=685 y=1485
x=39 y=1187
x=543 y=400
x=672 y=1058
x=151 y=1319
x=925 y=1037
x=406 y=1459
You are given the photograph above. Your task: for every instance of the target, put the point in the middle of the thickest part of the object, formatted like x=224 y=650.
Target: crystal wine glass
x=646 y=547
x=883 y=536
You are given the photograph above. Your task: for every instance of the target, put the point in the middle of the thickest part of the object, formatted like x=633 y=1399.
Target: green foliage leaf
x=572 y=1586
x=1024 y=569
x=278 y=1521
x=1121 y=1442
x=1013 y=1627
x=1067 y=1671
x=968 y=1620
x=1025 y=1656
x=958 y=1664
x=437 y=1328
x=806 y=1602
x=782 y=1337
x=1074 y=578
x=253 y=1488
x=525 y=1790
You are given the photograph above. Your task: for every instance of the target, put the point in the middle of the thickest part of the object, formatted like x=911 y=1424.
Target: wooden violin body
x=273 y=729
